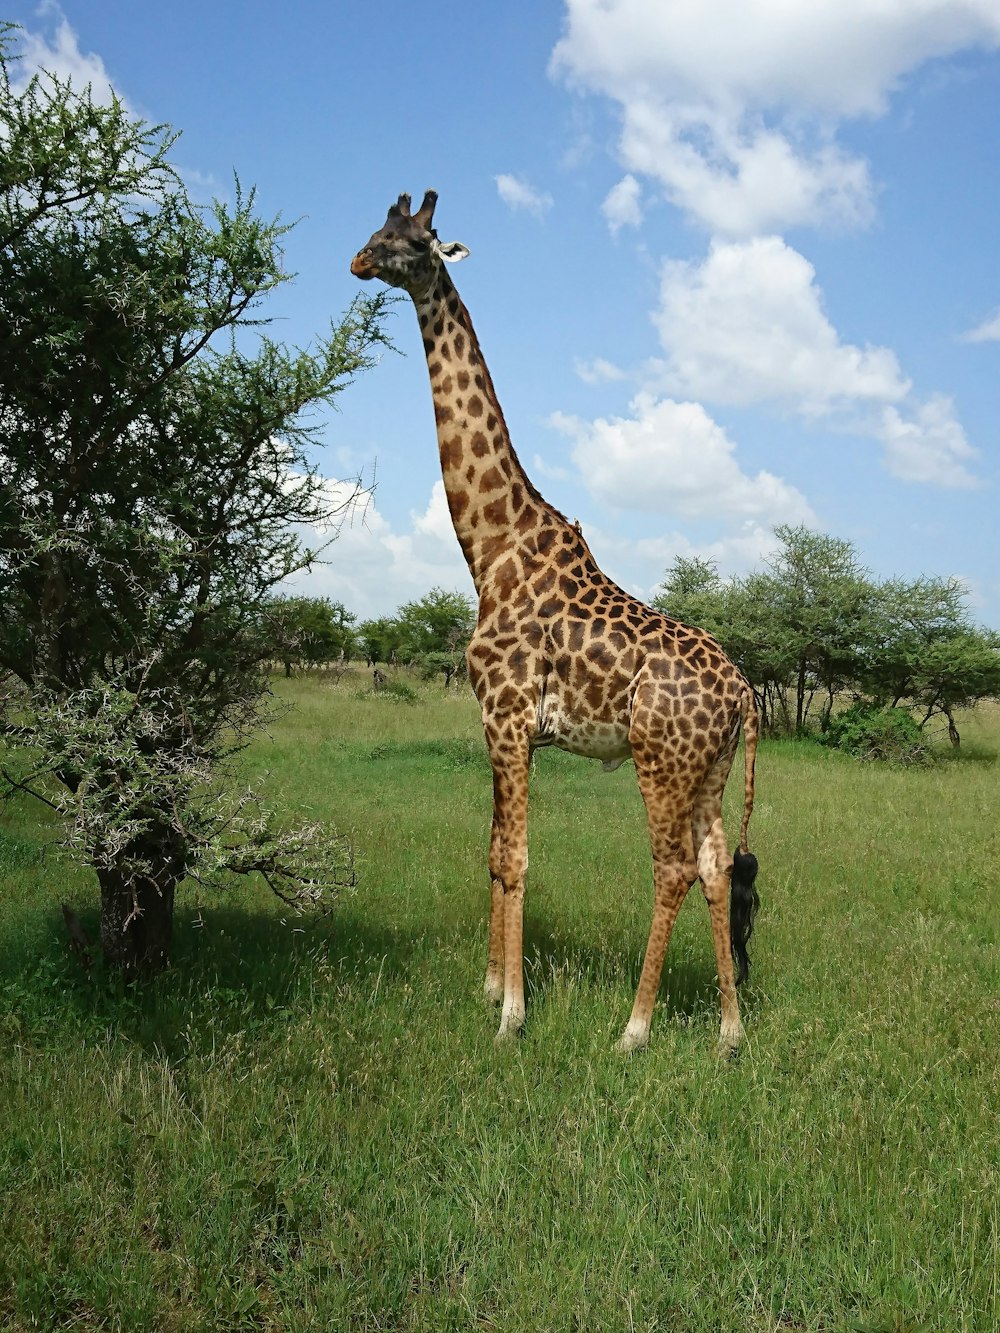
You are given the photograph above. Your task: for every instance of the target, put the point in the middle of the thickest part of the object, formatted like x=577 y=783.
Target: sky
x=734 y=264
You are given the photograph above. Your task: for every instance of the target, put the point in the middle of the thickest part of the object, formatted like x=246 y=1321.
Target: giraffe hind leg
x=715 y=866
x=668 y=811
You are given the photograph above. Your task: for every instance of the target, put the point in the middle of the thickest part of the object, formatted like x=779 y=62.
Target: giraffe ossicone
x=562 y=656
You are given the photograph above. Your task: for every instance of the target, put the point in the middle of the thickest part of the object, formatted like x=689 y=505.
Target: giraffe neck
x=493 y=504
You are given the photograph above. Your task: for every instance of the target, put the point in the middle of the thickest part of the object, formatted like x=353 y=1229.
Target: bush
x=868 y=731
x=395 y=689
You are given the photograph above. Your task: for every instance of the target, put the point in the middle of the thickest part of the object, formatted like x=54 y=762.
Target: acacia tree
x=153 y=462
x=929 y=653
x=305 y=631
x=813 y=622
x=435 y=631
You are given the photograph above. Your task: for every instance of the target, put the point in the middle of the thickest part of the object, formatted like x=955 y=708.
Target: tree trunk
x=137 y=918
x=953 y=734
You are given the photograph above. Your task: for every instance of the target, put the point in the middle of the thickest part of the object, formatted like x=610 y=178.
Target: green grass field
x=305 y=1123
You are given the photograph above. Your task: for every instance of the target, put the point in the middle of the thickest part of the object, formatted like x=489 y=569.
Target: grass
x=305 y=1125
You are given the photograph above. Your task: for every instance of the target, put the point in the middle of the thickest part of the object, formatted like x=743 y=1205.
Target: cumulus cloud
x=733 y=107
x=519 y=195
x=623 y=205
x=748 y=326
x=373 y=567
x=598 y=371
x=631 y=561
x=929 y=445
x=986 y=332
x=60 y=55
x=671 y=458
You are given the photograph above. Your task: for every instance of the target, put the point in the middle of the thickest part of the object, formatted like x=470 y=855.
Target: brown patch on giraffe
x=463 y=375
x=518 y=663
x=505 y=579
x=445 y=351
x=442 y=413
x=496 y=512
x=480 y=445
x=451 y=452
x=458 y=504
x=475 y=406
x=526 y=520
x=491 y=480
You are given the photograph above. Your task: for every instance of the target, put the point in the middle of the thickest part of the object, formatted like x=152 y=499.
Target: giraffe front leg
x=510 y=761
x=493 y=985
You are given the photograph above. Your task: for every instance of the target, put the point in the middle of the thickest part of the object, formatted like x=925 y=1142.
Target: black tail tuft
x=743 y=904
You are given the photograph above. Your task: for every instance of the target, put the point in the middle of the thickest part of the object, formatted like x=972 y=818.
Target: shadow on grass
x=241 y=970
x=232 y=969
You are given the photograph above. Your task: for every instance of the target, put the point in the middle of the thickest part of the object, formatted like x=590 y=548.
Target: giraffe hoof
x=632 y=1039
x=509 y=1030
x=729 y=1043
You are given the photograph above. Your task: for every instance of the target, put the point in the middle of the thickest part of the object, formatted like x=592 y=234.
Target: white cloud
x=622 y=206
x=733 y=106
x=672 y=458
x=518 y=194
x=746 y=547
x=552 y=471
x=748 y=326
x=373 y=569
x=987 y=332
x=929 y=446
x=598 y=371
x=61 y=56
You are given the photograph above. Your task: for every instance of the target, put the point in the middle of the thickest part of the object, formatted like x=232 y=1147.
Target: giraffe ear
x=450 y=251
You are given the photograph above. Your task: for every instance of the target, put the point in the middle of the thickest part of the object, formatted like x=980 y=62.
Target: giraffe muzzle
x=362 y=265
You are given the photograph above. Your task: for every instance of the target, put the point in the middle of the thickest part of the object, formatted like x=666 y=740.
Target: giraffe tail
x=743 y=897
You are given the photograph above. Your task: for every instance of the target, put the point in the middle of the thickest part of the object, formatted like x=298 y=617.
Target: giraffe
x=562 y=656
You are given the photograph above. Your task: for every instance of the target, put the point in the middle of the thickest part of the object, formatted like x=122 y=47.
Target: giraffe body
x=562 y=656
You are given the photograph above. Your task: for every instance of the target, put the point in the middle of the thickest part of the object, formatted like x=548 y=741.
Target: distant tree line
x=809 y=630
x=429 y=634
x=813 y=627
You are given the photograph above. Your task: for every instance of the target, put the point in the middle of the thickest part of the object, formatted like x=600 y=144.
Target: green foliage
x=306 y=631
x=397 y=690
x=153 y=469
x=868 y=731
x=379 y=640
x=813 y=625
x=430 y=633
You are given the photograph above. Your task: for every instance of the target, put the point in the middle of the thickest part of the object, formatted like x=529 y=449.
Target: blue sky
x=732 y=264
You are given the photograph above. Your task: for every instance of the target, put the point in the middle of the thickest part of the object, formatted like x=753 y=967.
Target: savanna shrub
x=869 y=731
x=397 y=690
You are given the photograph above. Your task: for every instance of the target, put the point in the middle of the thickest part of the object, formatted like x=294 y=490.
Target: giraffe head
x=406 y=251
